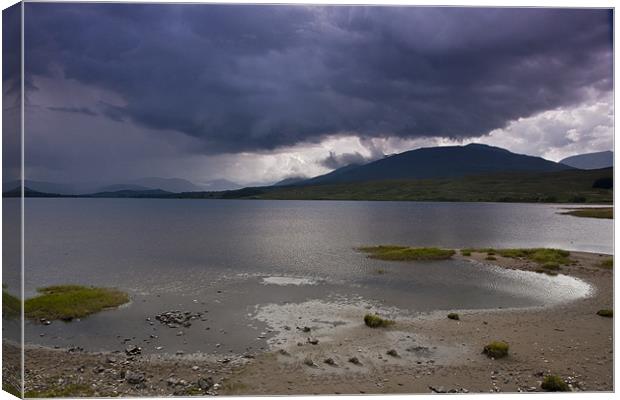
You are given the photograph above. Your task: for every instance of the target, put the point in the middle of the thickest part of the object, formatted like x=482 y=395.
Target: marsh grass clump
x=11 y=305
x=490 y=258
x=375 y=321
x=552 y=266
x=554 y=383
x=466 y=252
x=546 y=272
x=403 y=253
x=605 y=313
x=607 y=264
x=454 y=316
x=66 y=302
x=539 y=255
x=496 y=349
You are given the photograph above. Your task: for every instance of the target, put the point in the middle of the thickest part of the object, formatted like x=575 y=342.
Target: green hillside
x=555 y=187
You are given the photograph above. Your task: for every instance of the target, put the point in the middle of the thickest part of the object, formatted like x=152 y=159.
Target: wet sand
x=432 y=352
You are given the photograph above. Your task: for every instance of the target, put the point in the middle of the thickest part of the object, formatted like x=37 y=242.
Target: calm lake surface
x=229 y=257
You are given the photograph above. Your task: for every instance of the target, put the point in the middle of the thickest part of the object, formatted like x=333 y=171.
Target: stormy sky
x=259 y=93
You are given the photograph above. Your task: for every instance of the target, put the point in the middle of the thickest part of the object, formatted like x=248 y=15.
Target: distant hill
x=601 y=159
x=292 y=180
x=155 y=193
x=17 y=192
x=122 y=186
x=51 y=187
x=217 y=185
x=176 y=185
x=569 y=186
x=440 y=162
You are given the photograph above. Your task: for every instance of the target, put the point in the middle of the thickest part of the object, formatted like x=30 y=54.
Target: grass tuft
x=554 y=383
x=11 y=305
x=403 y=253
x=605 y=313
x=375 y=321
x=496 y=349
x=552 y=266
x=607 y=264
x=454 y=316
x=72 y=301
x=380 y=271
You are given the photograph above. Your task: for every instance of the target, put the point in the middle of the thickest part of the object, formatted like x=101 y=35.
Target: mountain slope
x=291 y=180
x=569 y=186
x=217 y=185
x=51 y=187
x=154 y=193
x=601 y=159
x=440 y=162
x=176 y=185
x=122 y=186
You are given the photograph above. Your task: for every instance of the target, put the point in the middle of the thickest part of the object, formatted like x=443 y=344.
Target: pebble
x=134 y=377
x=355 y=360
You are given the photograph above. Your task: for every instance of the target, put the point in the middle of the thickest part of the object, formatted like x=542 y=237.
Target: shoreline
x=433 y=354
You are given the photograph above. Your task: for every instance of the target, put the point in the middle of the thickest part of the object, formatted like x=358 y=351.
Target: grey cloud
x=77 y=110
x=334 y=161
x=252 y=78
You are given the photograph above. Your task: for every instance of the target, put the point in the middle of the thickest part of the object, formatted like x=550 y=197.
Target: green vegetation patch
x=375 y=321
x=552 y=266
x=605 y=313
x=539 y=255
x=598 y=212
x=70 y=390
x=9 y=388
x=573 y=186
x=454 y=316
x=496 y=349
x=72 y=301
x=11 y=305
x=403 y=253
x=554 y=383
x=546 y=271
x=607 y=264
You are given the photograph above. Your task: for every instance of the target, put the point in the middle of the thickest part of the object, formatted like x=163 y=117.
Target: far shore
x=569 y=340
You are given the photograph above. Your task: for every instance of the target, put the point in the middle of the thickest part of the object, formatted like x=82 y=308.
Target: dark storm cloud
x=77 y=110
x=252 y=78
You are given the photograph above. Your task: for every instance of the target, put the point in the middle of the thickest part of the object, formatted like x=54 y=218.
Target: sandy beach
x=428 y=353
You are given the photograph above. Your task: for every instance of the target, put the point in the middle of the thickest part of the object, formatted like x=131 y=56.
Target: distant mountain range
x=218 y=185
x=171 y=185
x=439 y=162
x=601 y=159
x=473 y=172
